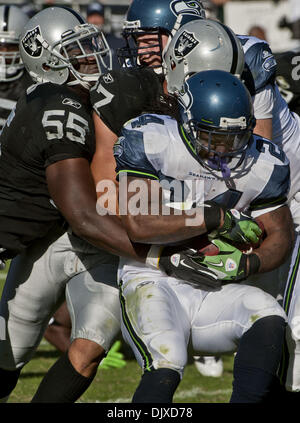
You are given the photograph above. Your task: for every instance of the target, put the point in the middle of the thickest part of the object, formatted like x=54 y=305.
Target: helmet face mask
x=84 y=51
x=218 y=119
x=12 y=22
x=143 y=48
x=219 y=150
x=11 y=66
x=158 y=18
x=68 y=50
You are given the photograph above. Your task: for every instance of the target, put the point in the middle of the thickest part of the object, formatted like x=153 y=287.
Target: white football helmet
x=198 y=46
x=12 y=22
x=55 y=43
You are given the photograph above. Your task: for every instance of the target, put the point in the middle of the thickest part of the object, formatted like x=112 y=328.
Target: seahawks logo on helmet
x=187 y=7
x=185 y=98
x=31 y=44
x=185 y=44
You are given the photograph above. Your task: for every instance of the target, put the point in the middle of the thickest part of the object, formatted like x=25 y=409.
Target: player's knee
x=85 y=356
x=260 y=304
x=151 y=308
x=168 y=351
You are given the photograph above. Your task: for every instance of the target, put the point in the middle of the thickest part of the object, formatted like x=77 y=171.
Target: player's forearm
x=277 y=245
x=173 y=227
x=106 y=232
x=273 y=253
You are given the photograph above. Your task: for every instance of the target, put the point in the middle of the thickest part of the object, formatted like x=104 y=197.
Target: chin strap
x=218 y=163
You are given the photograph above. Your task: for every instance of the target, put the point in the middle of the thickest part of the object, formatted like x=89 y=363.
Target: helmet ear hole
x=45 y=67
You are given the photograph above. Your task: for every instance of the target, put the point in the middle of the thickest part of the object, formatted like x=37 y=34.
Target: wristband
x=153 y=256
x=212 y=215
x=254 y=264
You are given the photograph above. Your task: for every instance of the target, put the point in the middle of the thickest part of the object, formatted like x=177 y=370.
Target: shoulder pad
x=123 y=94
x=260 y=64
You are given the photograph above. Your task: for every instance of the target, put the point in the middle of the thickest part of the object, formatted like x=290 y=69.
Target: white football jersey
x=269 y=103
x=156 y=147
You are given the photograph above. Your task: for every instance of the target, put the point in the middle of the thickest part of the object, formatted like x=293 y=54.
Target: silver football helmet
x=198 y=46
x=12 y=22
x=58 y=46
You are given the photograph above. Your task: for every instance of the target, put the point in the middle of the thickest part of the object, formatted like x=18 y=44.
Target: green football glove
x=239 y=228
x=114 y=359
x=230 y=264
x=207 y=272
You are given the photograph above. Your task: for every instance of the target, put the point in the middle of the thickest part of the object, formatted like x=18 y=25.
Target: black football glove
x=178 y=262
x=207 y=272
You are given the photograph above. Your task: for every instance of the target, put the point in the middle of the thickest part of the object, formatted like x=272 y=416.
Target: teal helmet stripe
x=141 y=347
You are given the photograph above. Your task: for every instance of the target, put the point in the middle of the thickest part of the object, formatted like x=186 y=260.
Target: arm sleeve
x=131 y=158
x=260 y=64
x=263 y=103
x=274 y=194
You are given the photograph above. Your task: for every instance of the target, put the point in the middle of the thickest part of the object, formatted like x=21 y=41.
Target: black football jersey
x=50 y=123
x=121 y=95
x=288 y=78
x=10 y=93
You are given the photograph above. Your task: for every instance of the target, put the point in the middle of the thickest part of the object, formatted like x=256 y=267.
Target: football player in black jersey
x=47 y=144
x=287 y=78
x=45 y=180
x=13 y=77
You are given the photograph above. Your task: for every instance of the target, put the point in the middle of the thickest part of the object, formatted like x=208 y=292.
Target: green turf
x=118 y=385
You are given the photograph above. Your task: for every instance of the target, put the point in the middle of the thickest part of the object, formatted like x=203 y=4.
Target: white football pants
x=160 y=313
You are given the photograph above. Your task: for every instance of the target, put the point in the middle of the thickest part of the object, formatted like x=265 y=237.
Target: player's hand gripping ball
x=238 y=229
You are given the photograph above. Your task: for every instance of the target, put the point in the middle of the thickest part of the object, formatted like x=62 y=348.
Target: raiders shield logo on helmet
x=185 y=44
x=31 y=44
x=187 y=7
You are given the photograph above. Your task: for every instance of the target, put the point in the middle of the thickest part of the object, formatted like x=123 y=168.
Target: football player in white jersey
x=187 y=55
x=208 y=156
x=152 y=25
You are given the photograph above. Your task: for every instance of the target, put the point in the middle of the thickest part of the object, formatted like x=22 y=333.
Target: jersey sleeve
x=260 y=64
x=263 y=103
x=275 y=189
x=66 y=129
x=123 y=94
x=131 y=158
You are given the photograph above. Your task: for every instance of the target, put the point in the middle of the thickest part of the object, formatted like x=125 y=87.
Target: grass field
x=118 y=385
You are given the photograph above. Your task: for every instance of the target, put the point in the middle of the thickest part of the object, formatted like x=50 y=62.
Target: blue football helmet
x=155 y=17
x=217 y=114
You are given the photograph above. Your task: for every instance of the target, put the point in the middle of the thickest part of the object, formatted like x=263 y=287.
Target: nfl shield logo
x=185 y=44
x=31 y=44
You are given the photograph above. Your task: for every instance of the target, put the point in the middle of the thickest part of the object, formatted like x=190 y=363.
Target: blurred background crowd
x=276 y=21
